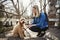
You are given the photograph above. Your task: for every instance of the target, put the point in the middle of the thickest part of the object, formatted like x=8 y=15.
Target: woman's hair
x=37 y=10
x=46 y=17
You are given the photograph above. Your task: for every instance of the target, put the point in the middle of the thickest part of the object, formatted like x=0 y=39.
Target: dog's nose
x=23 y=22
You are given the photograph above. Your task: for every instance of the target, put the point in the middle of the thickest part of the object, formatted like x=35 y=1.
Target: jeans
x=39 y=30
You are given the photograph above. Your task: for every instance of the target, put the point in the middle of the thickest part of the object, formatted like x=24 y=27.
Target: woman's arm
x=41 y=22
x=30 y=25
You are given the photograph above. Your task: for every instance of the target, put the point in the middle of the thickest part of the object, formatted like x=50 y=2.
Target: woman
x=40 y=21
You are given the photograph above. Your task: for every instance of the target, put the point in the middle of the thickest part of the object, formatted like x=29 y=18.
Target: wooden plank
x=53 y=19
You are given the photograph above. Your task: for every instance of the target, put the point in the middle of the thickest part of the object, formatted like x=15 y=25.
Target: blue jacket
x=40 y=21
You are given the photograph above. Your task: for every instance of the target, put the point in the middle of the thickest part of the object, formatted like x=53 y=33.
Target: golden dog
x=18 y=29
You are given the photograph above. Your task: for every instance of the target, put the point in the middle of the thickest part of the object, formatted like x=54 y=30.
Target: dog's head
x=22 y=21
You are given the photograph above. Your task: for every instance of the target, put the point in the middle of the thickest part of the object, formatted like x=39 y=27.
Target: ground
x=54 y=34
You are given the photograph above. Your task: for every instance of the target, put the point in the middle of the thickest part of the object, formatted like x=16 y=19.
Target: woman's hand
x=30 y=25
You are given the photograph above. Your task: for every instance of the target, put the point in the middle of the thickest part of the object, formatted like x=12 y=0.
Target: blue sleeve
x=41 y=22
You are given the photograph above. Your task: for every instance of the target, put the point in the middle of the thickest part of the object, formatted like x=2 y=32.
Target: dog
x=18 y=29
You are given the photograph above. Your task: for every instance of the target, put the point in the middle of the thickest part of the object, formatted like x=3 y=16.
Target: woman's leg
x=39 y=32
x=36 y=29
x=43 y=31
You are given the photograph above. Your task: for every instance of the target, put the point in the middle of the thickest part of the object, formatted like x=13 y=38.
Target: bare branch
x=17 y=9
x=26 y=8
x=8 y=12
x=3 y=1
x=14 y=6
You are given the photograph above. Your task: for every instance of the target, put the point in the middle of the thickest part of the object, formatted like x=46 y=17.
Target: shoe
x=42 y=34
